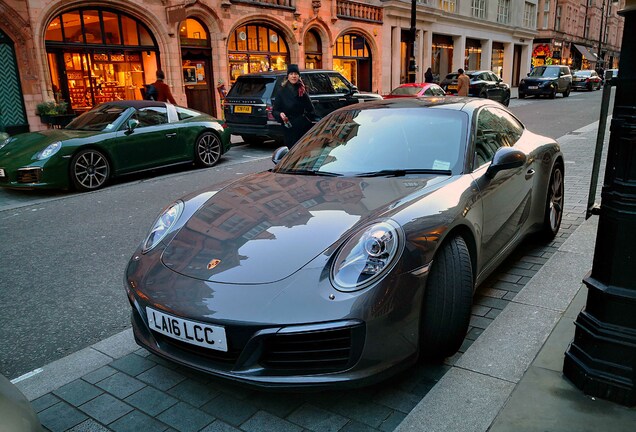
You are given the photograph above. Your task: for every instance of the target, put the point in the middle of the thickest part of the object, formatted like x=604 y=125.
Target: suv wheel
x=553 y=94
x=522 y=95
x=566 y=93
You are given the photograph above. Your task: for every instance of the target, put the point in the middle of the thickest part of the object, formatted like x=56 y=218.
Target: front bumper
x=40 y=175
x=300 y=338
x=537 y=90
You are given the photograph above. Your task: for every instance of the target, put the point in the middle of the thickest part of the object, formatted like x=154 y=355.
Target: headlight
x=163 y=225
x=367 y=256
x=548 y=84
x=5 y=141
x=49 y=151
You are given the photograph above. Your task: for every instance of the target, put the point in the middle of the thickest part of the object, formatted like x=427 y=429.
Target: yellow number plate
x=452 y=87
x=243 y=109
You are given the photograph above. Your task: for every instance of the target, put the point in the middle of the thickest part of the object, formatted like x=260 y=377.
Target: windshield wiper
x=310 y=172
x=403 y=172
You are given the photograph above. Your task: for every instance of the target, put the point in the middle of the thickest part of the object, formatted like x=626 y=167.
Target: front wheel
x=522 y=95
x=506 y=99
x=447 y=300
x=554 y=204
x=566 y=93
x=207 y=149
x=89 y=170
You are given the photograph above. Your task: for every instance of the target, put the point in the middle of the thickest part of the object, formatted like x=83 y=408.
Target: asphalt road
x=63 y=255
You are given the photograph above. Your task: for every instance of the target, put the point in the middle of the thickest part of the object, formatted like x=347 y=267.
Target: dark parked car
x=248 y=105
x=546 y=81
x=112 y=139
x=416 y=90
x=483 y=84
x=586 y=80
x=358 y=252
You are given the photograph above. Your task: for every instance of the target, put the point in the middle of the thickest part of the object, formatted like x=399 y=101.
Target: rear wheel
x=447 y=301
x=89 y=170
x=506 y=99
x=207 y=149
x=522 y=95
x=554 y=204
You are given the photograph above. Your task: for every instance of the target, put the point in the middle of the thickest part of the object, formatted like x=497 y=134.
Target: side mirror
x=505 y=158
x=132 y=124
x=528 y=74
x=279 y=153
x=354 y=89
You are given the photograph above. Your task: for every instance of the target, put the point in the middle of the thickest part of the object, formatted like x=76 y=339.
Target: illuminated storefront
x=472 y=55
x=352 y=58
x=99 y=55
x=256 y=48
x=497 y=59
x=442 y=56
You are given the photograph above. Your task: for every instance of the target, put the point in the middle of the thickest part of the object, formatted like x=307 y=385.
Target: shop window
x=313 y=50
x=54 y=31
x=192 y=33
x=111 y=28
x=92 y=27
x=351 y=58
x=256 y=48
x=129 y=29
x=72 y=27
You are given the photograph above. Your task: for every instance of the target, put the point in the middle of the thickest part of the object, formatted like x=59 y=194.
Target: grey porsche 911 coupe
x=356 y=254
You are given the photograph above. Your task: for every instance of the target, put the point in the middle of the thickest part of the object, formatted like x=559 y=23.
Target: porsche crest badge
x=215 y=262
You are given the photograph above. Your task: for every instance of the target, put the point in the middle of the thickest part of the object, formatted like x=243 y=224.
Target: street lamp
x=599 y=60
x=601 y=360
x=412 y=65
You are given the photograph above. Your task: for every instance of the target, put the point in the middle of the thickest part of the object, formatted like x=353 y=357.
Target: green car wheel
x=208 y=149
x=89 y=170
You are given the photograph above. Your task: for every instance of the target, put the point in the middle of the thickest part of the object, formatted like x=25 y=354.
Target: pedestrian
x=463 y=83
x=428 y=76
x=163 y=90
x=293 y=106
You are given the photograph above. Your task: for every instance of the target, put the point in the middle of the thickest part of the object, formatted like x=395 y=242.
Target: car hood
x=537 y=80
x=267 y=226
x=27 y=144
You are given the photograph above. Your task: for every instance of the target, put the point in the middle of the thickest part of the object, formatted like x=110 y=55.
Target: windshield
x=583 y=73
x=100 y=118
x=251 y=86
x=364 y=142
x=546 y=72
x=406 y=91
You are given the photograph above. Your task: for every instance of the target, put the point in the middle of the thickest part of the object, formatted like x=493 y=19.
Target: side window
x=318 y=83
x=484 y=77
x=438 y=91
x=184 y=113
x=339 y=84
x=428 y=92
x=151 y=116
x=495 y=128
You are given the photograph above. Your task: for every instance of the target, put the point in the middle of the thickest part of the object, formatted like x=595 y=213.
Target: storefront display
x=352 y=58
x=256 y=48
x=96 y=67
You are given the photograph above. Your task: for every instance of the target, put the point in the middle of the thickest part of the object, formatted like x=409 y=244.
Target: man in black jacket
x=293 y=106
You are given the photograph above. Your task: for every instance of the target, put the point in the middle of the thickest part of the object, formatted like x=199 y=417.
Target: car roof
x=136 y=103
x=456 y=103
x=416 y=85
x=278 y=73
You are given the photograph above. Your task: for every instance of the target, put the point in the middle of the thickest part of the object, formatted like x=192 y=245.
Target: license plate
x=2 y=174
x=452 y=87
x=243 y=109
x=533 y=87
x=192 y=332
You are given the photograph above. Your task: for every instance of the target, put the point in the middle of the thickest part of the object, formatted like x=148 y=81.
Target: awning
x=585 y=52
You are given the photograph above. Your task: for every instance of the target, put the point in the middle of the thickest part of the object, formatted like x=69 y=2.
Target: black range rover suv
x=248 y=105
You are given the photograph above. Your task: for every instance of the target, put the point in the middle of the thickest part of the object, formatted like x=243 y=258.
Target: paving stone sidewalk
x=129 y=389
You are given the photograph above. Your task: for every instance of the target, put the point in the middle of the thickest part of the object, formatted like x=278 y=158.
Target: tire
x=522 y=95
x=447 y=301
x=554 y=204
x=483 y=95
x=89 y=170
x=207 y=150
x=566 y=93
x=590 y=87
x=553 y=94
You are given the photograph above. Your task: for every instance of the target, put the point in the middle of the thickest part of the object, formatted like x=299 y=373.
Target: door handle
x=529 y=173
x=171 y=135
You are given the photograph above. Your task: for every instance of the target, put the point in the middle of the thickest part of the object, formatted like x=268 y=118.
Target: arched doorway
x=98 y=55
x=12 y=114
x=196 y=61
x=352 y=58
x=313 y=50
x=256 y=47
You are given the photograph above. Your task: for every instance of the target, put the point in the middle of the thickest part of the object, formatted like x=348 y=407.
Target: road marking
x=26 y=375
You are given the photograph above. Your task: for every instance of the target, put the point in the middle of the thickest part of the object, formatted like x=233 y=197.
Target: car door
x=506 y=197
x=152 y=143
x=321 y=92
x=497 y=88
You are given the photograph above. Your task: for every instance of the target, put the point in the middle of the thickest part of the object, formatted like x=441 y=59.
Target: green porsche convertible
x=112 y=139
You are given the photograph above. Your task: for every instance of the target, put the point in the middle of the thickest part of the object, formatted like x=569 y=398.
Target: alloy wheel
x=90 y=170
x=555 y=204
x=208 y=149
